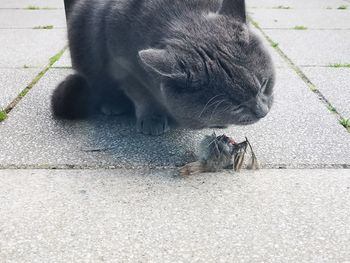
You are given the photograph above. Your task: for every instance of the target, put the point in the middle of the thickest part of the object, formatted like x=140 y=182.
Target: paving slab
x=334 y=84
x=292 y=135
x=313 y=47
x=27 y=3
x=153 y=216
x=312 y=19
x=18 y=18
x=30 y=47
x=310 y=4
x=12 y=82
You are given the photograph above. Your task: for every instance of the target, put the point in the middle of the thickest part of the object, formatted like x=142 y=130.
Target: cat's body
x=191 y=61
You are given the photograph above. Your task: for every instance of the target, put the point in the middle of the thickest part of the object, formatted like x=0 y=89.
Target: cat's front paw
x=153 y=124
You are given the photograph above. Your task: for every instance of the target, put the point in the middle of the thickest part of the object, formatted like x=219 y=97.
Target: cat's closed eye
x=266 y=87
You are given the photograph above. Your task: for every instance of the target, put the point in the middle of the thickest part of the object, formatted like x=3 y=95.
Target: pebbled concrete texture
x=154 y=216
x=18 y=18
x=12 y=82
x=334 y=85
x=289 y=18
x=300 y=45
x=30 y=47
x=296 y=4
x=151 y=215
x=292 y=135
x=26 y=3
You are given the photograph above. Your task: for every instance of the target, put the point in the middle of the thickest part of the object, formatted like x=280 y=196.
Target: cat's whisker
x=224 y=110
x=217 y=105
x=213 y=103
x=206 y=105
x=210 y=105
x=228 y=109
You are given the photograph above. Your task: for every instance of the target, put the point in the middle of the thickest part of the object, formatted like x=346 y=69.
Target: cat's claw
x=153 y=125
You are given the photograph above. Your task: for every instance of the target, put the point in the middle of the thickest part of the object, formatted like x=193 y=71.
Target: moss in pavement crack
x=3 y=116
x=52 y=60
x=281 y=7
x=34 y=7
x=43 y=27
x=340 y=65
x=345 y=123
x=312 y=87
x=300 y=27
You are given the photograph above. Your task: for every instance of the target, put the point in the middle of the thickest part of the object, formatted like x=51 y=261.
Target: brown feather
x=191 y=168
x=238 y=161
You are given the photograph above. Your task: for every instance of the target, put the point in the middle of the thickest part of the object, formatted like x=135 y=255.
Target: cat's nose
x=261 y=109
x=261 y=113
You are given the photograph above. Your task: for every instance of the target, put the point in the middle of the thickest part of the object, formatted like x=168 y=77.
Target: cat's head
x=215 y=71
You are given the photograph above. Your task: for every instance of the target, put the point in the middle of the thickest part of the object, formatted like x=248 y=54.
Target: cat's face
x=221 y=93
x=215 y=76
x=218 y=104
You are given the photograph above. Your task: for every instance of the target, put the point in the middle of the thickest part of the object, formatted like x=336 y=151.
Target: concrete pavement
x=115 y=196
x=155 y=216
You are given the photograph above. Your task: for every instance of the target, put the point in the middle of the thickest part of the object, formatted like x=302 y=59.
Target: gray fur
x=195 y=62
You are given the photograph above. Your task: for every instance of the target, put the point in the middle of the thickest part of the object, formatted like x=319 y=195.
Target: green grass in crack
x=32 y=7
x=255 y=24
x=345 y=123
x=331 y=108
x=342 y=7
x=43 y=27
x=56 y=57
x=34 y=82
x=312 y=87
x=30 y=86
x=281 y=7
x=274 y=44
x=3 y=116
x=340 y=65
x=300 y=27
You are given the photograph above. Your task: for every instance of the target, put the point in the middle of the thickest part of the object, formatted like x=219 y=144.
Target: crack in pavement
x=300 y=73
x=32 y=84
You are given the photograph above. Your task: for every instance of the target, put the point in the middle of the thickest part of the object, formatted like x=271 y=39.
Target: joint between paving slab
x=34 y=7
x=281 y=7
x=327 y=66
x=301 y=74
x=150 y=167
x=62 y=67
x=306 y=29
x=26 y=8
x=4 y=113
x=34 y=28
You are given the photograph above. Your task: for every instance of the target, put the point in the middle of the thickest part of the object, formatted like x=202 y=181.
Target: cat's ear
x=235 y=8
x=243 y=33
x=160 y=61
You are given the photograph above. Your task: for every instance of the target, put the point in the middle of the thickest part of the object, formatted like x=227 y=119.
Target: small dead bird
x=220 y=152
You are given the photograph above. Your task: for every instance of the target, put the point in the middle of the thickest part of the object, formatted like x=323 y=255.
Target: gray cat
x=194 y=63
